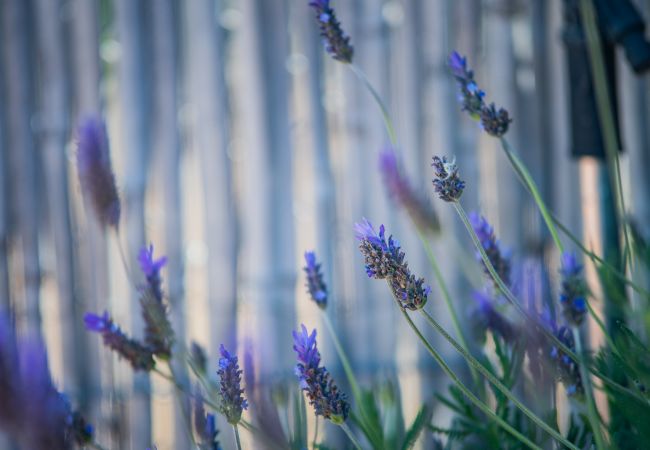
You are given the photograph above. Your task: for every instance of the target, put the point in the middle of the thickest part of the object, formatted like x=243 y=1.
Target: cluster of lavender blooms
x=399 y=188
x=494 y=121
x=447 y=182
x=95 y=171
x=385 y=260
x=205 y=426
x=315 y=284
x=158 y=335
x=336 y=42
x=233 y=403
x=489 y=318
x=323 y=394
x=488 y=240
x=567 y=369
x=573 y=291
x=32 y=411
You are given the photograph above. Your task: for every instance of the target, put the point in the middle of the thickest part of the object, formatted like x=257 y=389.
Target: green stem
x=592 y=412
x=527 y=179
x=313 y=442
x=450 y=373
x=388 y=123
x=513 y=301
x=496 y=382
x=605 y=114
x=447 y=297
x=350 y=435
x=237 y=440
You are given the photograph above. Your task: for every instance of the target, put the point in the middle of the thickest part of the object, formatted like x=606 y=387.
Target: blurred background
x=238 y=144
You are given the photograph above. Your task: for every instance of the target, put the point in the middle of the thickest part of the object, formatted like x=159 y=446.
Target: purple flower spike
x=315 y=283
x=385 y=260
x=573 y=293
x=205 y=426
x=138 y=355
x=447 y=183
x=567 y=370
x=231 y=392
x=323 y=394
x=400 y=189
x=151 y=267
x=493 y=320
x=95 y=171
x=336 y=42
x=489 y=242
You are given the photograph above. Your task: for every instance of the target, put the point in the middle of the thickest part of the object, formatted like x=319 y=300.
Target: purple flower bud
x=420 y=210
x=315 y=283
x=95 y=172
x=323 y=394
x=447 y=183
x=231 y=392
x=567 y=370
x=495 y=123
x=135 y=353
x=489 y=242
x=385 y=260
x=205 y=426
x=573 y=293
x=151 y=269
x=337 y=43
x=493 y=320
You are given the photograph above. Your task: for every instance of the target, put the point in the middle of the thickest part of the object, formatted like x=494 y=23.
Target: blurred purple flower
x=336 y=42
x=137 y=354
x=95 y=171
x=498 y=259
x=420 y=210
x=231 y=392
x=447 y=183
x=322 y=392
x=493 y=320
x=385 y=260
x=573 y=293
x=495 y=122
x=205 y=426
x=568 y=371
x=151 y=269
x=315 y=283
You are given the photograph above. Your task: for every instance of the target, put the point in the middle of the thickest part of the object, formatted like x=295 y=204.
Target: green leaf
x=421 y=420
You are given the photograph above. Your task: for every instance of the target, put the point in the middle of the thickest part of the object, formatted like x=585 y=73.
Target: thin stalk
x=313 y=442
x=513 y=301
x=451 y=374
x=237 y=440
x=592 y=412
x=605 y=115
x=597 y=259
x=527 y=179
x=447 y=297
x=473 y=362
x=179 y=391
x=388 y=123
x=351 y=436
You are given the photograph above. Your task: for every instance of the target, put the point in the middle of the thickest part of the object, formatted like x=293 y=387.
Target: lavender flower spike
x=95 y=171
x=447 y=183
x=573 y=291
x=337 y=43
x=159 y=334
x=491 y=319
x=231 y=392
x=385 y=260
x=567 y=370
x=205 y=426
x=489 y=242
x=137 y=354
x=400 y=189
x=316 y=381
x=315 y=284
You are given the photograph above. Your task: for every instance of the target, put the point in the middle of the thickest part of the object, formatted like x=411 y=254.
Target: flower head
x=573 y=294
x=567 y=370
x=198 y=358
x=315 y=283
x=491 y=319
x=494 y=121
x=384 y=259
x=151 y=269
x=489 y=242
x=95 y=171
x=231 y=392
x=316 y=381
x=447 y=183
x=140 y=357
x=205 y=426
x=400 y=189
x=336 y=42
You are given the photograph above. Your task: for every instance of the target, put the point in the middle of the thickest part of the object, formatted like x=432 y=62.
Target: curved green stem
x=350 y=435
x=313 y=442
x=527 y=179
x=592 y=412
x=388 y=123
x=471 y=397
x=473 y=362
x=237 y=440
